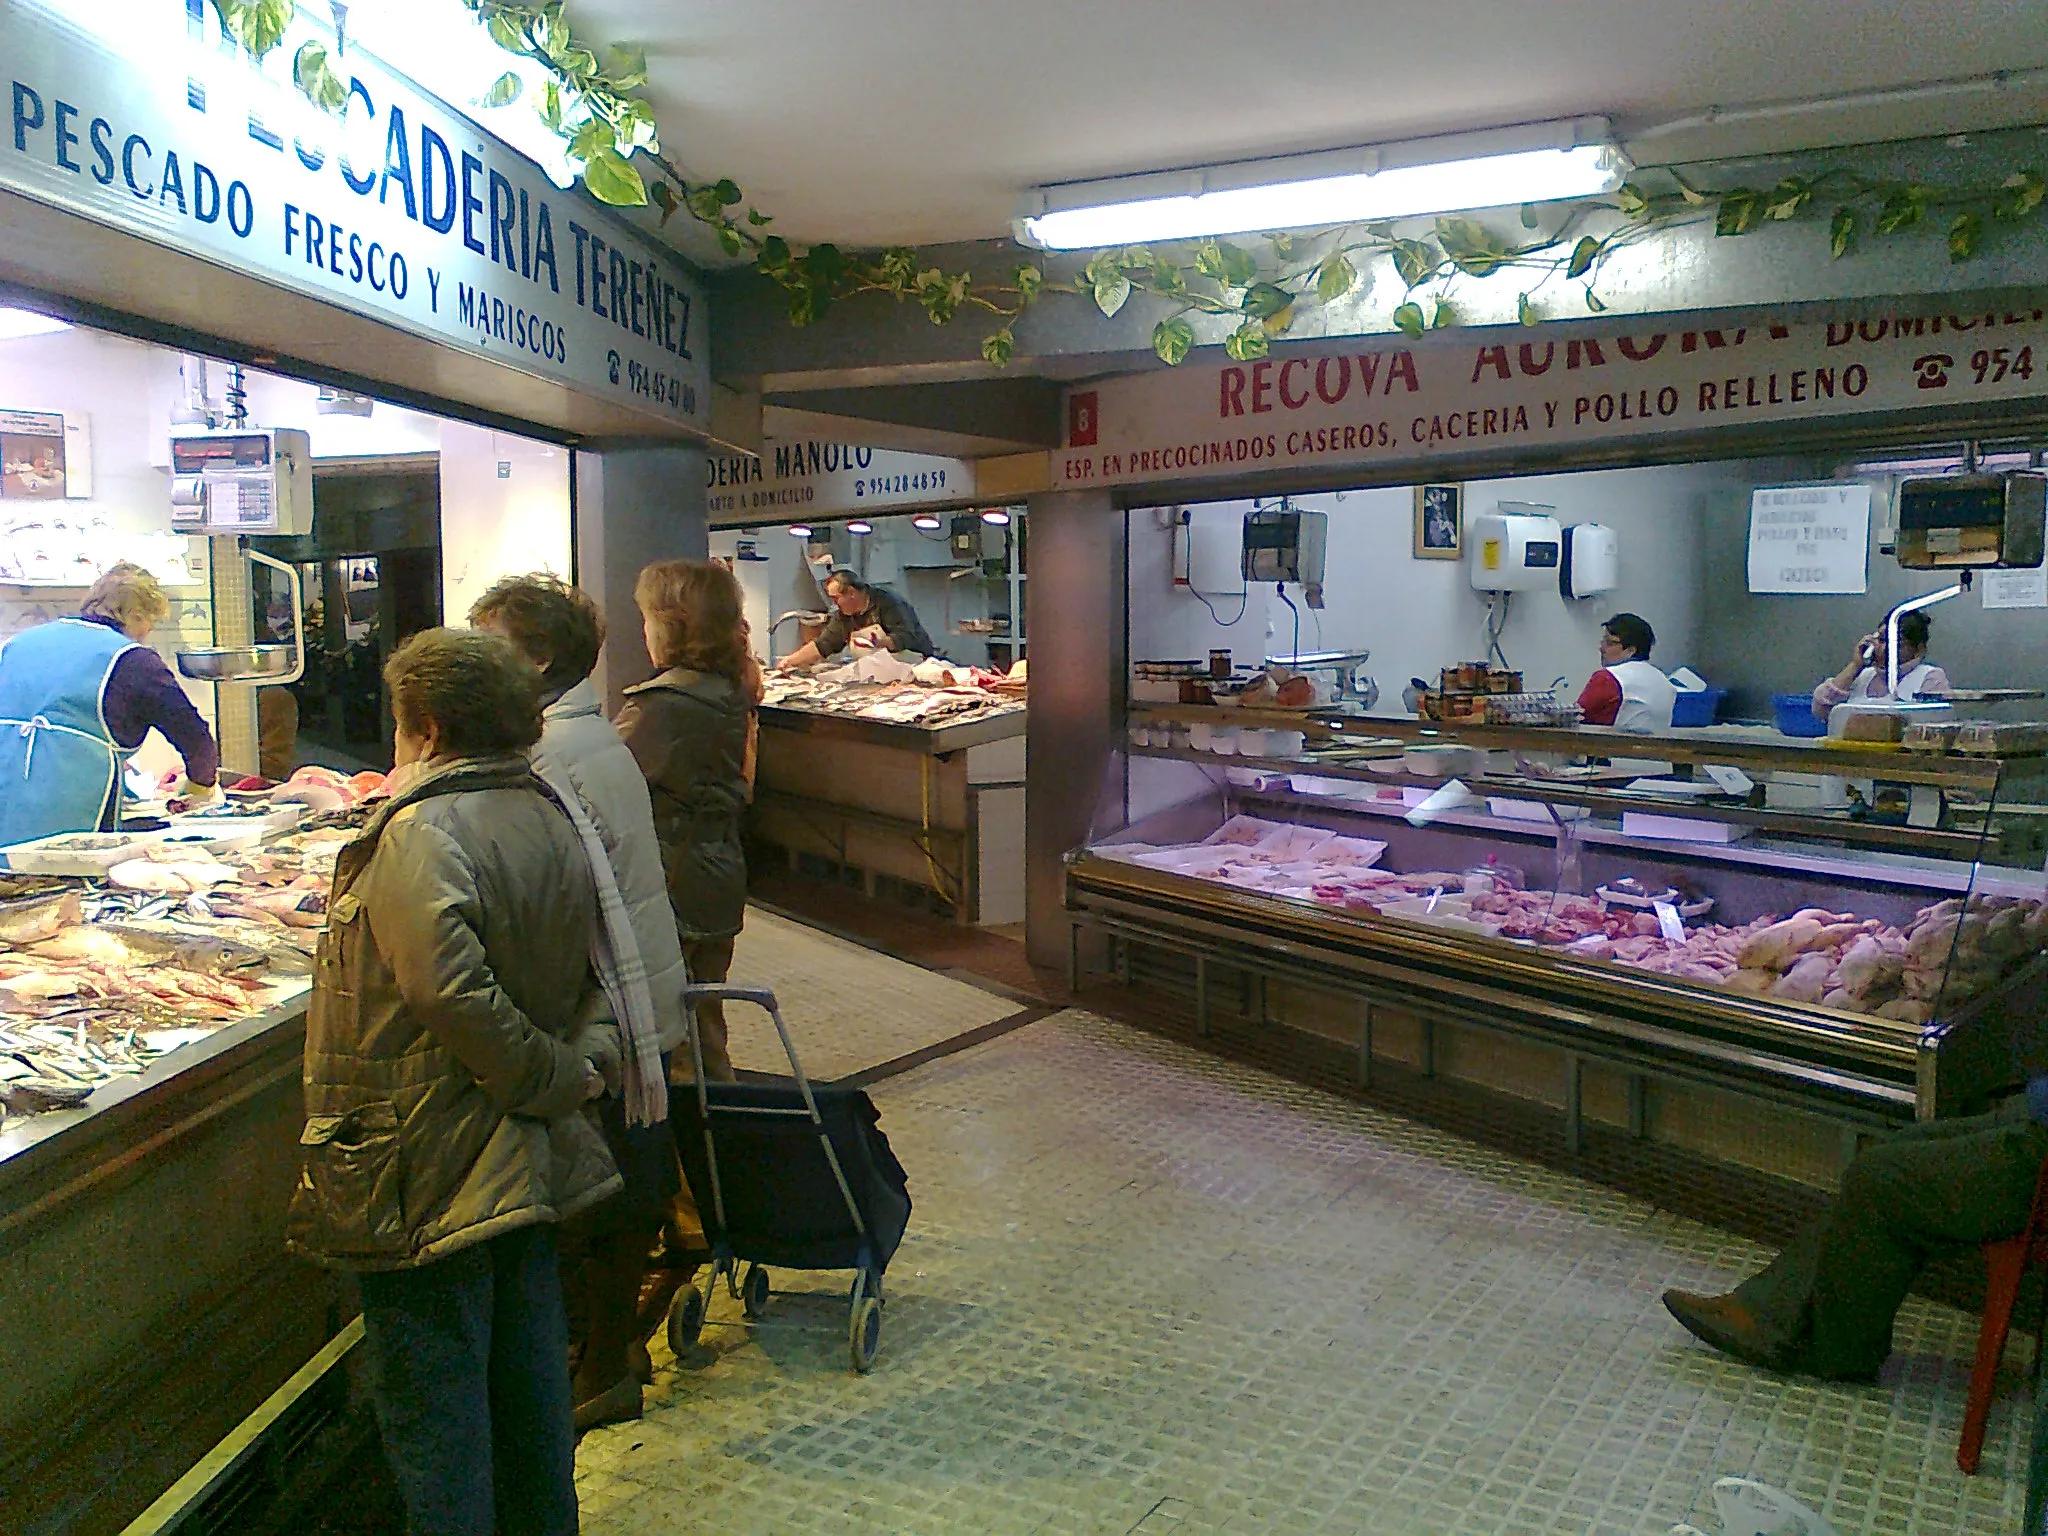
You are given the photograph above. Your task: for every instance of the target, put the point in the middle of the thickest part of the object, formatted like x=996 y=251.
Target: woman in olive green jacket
x=690 y=727
x=456 y=1031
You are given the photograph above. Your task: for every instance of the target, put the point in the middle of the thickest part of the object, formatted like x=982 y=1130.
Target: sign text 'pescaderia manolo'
x=1368 y=406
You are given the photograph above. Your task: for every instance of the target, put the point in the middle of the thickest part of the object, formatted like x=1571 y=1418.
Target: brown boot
x=1728 y=1325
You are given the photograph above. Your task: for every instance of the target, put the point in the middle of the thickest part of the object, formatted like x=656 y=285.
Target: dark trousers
x=1829 y=1299
x=470 y=1362
x=709 y=960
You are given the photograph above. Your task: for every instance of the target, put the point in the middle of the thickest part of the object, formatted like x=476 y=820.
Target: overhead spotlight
x=996 y=517
x=799 y=530
x=927 y=522
x=860 y=526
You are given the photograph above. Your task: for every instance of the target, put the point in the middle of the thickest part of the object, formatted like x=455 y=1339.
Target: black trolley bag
x=787 y=1173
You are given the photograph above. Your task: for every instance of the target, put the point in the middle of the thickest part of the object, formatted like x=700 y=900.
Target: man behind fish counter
x=76 y=698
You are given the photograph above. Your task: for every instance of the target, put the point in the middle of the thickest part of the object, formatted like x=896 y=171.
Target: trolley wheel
x=754 y=1293
x=685 y=1320
x=864 y=1334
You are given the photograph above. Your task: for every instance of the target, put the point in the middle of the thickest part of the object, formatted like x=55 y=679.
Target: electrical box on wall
x=1515 y=550
x=245 y=481
x=1592 y=560
x=1284 y=543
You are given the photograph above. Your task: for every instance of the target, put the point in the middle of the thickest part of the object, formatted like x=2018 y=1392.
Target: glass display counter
x=1857 y=930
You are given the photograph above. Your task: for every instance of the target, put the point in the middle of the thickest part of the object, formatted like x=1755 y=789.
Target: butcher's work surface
x=1148 y=1291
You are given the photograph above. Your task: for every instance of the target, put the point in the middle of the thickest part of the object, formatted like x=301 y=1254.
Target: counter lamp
x=1532 y=163
x=857 y=526
x=799 y=530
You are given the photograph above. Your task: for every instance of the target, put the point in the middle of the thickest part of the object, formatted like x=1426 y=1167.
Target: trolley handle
x=707 y=992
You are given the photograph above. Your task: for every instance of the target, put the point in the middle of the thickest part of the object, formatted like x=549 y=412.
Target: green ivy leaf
x=1841 y=232
x=1280 y=322
x=1408 y=317
x=1632 y=199
x=1335 y=277
x=1444 y=315
x=728 y=192
x=1529 y=216
x=636 y=128
x=1111 y=289
x=896 y=268
x=1965 y=235
x=759 y=219
x=774 y=255
x=1694 y=198
x=1248 y=343
x=1583 y=256
x=1283 y=243
x=999 y=348
x=1171 y=339
x=1525 y=311
x=1231 y=265
x=1738 y=212
x=663 y=197
x=1901 y=209
x=317 y=81
x=1168 y=279
x=506 y=32
x=2019 y=195
x=730 y=241
x=550 y=107
x=1472 y=248
x=504 y=90
x=825 y=265
x=1414 y=261
x=1263 y=299
x=941 y=294
x=612 y=181
x=1593 y=301
x=629 y=66
x=703 y=203
x=1787 y=198
x=257 y=26
x=591 y=137
x=807 y=301
x=1029 y=282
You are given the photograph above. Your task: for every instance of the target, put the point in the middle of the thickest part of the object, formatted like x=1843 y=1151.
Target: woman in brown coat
x=690 y=728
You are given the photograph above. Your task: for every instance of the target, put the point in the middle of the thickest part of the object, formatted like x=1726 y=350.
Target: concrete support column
x=633 y=506
x=1075 y=618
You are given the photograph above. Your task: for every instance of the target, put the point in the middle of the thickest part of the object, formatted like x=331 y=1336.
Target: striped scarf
x=616 y=954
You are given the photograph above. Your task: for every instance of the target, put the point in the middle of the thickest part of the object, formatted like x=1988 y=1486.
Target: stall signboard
x=402 y=209
x=1383 y=406
x=1809 y=538
x=810 y=477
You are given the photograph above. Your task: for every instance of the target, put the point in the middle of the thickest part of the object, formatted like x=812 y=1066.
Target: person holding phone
x=1868 y=673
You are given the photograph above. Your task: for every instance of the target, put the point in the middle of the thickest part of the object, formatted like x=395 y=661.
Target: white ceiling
x=923 y=120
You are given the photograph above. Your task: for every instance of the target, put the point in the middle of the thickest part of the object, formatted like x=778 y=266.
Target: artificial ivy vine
x=611 y=135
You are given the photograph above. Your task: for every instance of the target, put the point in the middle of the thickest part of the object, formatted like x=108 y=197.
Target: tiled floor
x=1147 y=1290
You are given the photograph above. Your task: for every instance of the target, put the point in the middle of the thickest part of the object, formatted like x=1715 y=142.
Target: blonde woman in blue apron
x=76 y=698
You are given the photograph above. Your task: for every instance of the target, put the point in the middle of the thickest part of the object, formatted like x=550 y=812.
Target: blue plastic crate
x=1795 y=716
x=1698 y=707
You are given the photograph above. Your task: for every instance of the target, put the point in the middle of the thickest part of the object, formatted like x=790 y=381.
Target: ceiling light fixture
x=858 y=526
x=925 y=521
x=799 y=530
x=18 y=323
x=1537 y=163
x=996 y=517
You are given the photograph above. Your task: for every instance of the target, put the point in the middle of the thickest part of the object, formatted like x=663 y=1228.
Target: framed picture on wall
x=1439 y=522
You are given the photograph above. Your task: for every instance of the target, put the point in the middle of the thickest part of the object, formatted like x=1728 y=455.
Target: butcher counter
x=935 y=810
x=1762 y=963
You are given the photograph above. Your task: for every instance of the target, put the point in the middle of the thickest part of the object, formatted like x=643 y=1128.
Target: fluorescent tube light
x=1541 y=163
x=17 y=323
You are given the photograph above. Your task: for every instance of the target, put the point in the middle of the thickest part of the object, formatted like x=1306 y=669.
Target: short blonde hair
x=129 y=596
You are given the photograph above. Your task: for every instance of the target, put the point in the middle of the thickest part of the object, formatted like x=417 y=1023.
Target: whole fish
x=42 y=917
x=131 y=944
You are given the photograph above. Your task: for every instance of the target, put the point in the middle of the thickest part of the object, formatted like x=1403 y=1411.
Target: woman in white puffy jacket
x=560 y=631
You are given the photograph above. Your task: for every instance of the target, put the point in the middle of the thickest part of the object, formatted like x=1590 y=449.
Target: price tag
x=1731 y=780
x=1669 y=922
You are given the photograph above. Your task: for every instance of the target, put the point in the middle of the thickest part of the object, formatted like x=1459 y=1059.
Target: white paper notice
x=1809 y=538
x=2015 y=589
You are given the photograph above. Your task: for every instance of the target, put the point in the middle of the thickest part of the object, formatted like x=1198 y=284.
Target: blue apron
x=59 y=762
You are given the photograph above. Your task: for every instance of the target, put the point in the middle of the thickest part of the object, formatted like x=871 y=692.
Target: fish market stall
x=916 y=783
x=152 y=1022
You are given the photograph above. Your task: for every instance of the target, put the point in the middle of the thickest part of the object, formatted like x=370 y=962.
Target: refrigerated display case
x=1855 y=931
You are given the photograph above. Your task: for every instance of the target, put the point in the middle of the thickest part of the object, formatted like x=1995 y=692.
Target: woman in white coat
x=1627 y=692
x=560 y=631
x=1868 y=674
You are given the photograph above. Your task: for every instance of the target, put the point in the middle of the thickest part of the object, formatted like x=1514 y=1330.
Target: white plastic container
x=1534 y=810
x=1251 y=742
x=1285 y=743
x=1222 y=739
x=1680 y=829
x=74 y=853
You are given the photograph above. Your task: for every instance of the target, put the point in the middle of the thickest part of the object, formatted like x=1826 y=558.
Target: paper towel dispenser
x=1592 y=560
